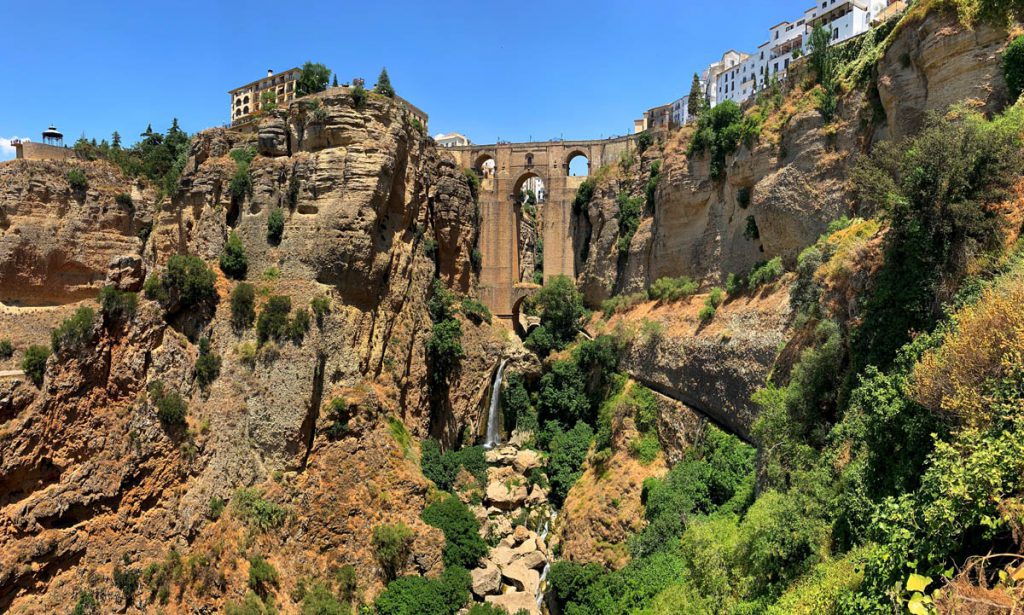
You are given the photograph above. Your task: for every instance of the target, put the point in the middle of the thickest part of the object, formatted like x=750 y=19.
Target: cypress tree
x=383 y=86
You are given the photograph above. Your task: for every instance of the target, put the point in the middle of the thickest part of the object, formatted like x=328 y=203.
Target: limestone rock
x=273 y=136
x=514 y=602
x=486 y=580
x=523 y=577
x=506 y=495
x=125 y=273
x=526 y=460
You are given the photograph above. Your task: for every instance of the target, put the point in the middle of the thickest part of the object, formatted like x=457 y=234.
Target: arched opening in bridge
x=578 y=165
x=529 y=196
x=485 y=166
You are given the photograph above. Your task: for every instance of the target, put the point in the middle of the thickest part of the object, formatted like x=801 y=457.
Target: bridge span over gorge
x=504 y=168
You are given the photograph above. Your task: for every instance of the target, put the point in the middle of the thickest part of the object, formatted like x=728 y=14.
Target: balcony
x=894 y=9
x=835 y=11
x=787 y=46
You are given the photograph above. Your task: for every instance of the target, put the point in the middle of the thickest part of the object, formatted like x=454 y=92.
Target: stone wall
x=29 y=150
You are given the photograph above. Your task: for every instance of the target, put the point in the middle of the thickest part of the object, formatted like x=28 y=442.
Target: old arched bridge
x=504 y=169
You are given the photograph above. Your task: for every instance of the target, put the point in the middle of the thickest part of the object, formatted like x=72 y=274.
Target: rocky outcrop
x=55 y=241
x=92 y=479
x=935 y=62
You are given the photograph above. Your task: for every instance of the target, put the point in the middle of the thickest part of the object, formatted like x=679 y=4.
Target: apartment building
x=453 y=139
x=247 y=99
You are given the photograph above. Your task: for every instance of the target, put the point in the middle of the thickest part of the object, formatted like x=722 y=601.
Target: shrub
x=243 y=306
x=170 y=407
x=6 y=349
x=313 y=78
x=187 y=283
x=563 y=394
x=584 y=194
x=463 y=545
x=262 y=576
x=240 y=185
x=767 y=272
x=217 y=506
x=630 y=210
x=294 y=187
x=706 y=313
x=719 y=132
x=321 y=308
x=74 y=332
x=318 y=600
x=299 y=325
x=645 y=448
x=735 y=284
x=476 y=311
x=443 y=468
x=561 y=314
x=445 y=595
x=750 y=231
x=644 y=141
x=123 y=199
x=77 y=180
x=1013 y=67
x=622 y=303
x=256 y=511
x=672 y=289
x=207 y=364
x=34 y=363
x=86 y=604
x=250 y=605
x=247 y=354
x=444 y=350
x=273 y=320
x=275 y=225
x=233 y=261
x=391 y=544
x=127 y=581
x=116 y=304
x=339 y=414
x=359 y=96
x=347 y=584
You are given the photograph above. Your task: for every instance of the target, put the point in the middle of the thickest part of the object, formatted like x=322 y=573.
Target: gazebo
x=52 y=136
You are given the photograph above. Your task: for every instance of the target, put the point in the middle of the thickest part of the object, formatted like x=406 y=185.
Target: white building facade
x=453 y=139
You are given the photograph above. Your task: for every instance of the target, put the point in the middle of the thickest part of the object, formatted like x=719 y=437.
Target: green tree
x=74 y=332
x=1013 y=67
x=383 y=86
x=207 y=363
x=567 y=452
x=273 y=321
x=263 y=577
x=334 y=82
x=313 y=78
x=233 y=261
x=463 y=545
x=720 y=131
x=696 y=99
x=243 y=306
x=423 y=596
x=186 y=283
x=561 y=312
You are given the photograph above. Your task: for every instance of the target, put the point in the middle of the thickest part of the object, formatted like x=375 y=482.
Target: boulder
x=125 y=273
x=486 y=580
x=523 y=577
x=503 y=456
x=520 y=535
x=534 y=560
x=502 y=555
x=514 y=602
x=506 y=495
x=526 y=460
x=537 y=496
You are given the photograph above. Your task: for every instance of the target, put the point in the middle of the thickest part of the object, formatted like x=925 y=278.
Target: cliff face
x=91 y=479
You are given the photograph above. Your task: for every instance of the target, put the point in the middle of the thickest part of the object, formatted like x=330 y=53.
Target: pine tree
x=334 y=84
x=115 y=140
x=696 y=99
x=383 y=86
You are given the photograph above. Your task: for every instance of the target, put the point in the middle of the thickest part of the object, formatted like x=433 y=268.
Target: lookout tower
x=52 y=136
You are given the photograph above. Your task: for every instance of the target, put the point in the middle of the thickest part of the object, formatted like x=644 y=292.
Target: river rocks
x=526 y=460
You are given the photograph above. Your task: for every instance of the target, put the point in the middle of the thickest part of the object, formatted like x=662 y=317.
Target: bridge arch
x=485 y=165
x=573 y=166
x=517 y=188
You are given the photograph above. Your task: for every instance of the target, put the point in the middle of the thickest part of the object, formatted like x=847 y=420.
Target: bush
x=170 y=407
x=187 y=283
x=1013 y=67
x=262 y=576
x=644 y=141
x=321 y=308
x=275 y=225
x=273 y=320
x=719 y=132
x=73 y=333
x=391 y=544
x=463 y=545
x=77 y=180
x=672 y=289
x=256 y=511
x=233 y=261
x=445 y=595
x=123 y=199
x=584 y=194
x=126 y=580
x=34 y=363
x=765 y=273
x=347 y=584
x=359 y=96
x=476 y=311
x=645 y=448
x=622 y=303
x=443 y=468
x=750 y=231
x=735 y=284
x=563 y=394
x=6 y=349
x=217 y=506
x=561 y=314
x=240 y=185
x=116 y=304
x=86 y=604
x=207 y=364
x=299 y=325
x=444 y=351
x=630 y=210
x=250 y=605
x=243 y=306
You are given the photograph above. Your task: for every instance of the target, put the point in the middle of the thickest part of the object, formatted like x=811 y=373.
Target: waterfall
x=493 y=428
x=542 y=586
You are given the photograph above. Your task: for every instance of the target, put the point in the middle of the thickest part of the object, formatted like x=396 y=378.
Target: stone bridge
x=504 y=168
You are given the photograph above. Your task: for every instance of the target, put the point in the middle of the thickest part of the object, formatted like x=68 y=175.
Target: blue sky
x=508 y=70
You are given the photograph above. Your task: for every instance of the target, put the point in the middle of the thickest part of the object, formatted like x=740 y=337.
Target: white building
x=453 y=139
